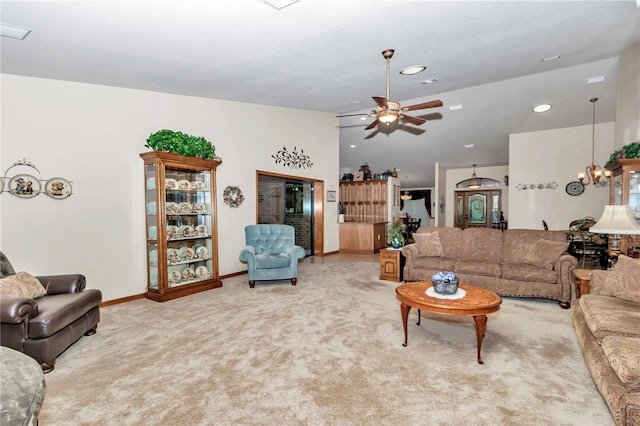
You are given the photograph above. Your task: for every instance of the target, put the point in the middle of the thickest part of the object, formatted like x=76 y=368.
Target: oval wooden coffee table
x=478 y=302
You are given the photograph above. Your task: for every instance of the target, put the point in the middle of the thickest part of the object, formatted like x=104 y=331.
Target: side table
x=582 y=278
x=391 y=264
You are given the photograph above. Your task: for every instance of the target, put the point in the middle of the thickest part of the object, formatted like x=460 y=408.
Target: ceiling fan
x=388 y=111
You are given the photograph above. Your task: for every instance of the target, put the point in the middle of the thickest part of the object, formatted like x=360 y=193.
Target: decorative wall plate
x=24 y=186
x=58 y=188
x=198 y=185
x=184 y=184
x=171 y=183
x=574 y=188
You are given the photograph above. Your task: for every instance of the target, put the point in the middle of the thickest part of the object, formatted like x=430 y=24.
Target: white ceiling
x=325 y=54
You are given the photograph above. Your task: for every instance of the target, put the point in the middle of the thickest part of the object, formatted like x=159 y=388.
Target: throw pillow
x=623 y=281
x=428 y=244
x=543 y=253
x=21 y=284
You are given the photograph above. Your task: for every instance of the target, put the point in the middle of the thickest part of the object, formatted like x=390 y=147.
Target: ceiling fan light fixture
x=414 y=69
x=387 y=117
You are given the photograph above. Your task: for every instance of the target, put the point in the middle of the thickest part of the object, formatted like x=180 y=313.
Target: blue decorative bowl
x=445 y=286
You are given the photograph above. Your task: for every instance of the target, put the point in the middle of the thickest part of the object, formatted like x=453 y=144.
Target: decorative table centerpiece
x=445 y=282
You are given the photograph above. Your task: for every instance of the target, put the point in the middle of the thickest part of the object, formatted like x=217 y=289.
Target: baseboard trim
x=122 y=300
x=141 y=296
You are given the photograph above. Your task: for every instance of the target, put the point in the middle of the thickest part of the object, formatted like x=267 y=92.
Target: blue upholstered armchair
x=271 y=253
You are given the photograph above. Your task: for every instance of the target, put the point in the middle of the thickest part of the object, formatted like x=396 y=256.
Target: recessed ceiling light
x=352 y=146
x=542 y=108
x=469 y=145
x=13 y=32
x=597 y=79
x=280 y=4
x=429 y=81
x=455 y=107
x=356 y=102
x=415 y=69
x=551 y=58
x=363 y=118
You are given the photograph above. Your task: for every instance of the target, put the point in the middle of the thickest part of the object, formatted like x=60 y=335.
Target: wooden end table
x=582 y=278
x=391 y=264
x=477 y=302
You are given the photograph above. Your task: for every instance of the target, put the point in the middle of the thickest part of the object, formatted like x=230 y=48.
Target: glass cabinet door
x=634 y=194
x=188 y=226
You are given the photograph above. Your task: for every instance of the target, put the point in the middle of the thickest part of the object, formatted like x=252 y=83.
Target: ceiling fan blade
x=413 y=120
x=381 y=102
x=372 y=125
x=430 y=104
x=353 y=115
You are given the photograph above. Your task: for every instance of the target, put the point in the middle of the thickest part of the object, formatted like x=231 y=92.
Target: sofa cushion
x=524 y=272
x=58 y=311
x=272 y=261
x=481 y=244
x=610 y=316
x=516 y=242
x=623 y=354
x=624 y=280
x=434 y=263
x=478 y=267
x=21 y=284
x=428 y=244
x=544 y=253
x=450 y=238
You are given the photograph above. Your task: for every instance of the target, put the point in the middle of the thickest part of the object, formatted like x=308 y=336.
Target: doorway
x=477 y=209
x=290 y=201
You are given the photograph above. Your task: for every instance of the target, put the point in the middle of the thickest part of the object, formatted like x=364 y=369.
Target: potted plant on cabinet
x=342 y=209
x=395 y=236
x=181 y=143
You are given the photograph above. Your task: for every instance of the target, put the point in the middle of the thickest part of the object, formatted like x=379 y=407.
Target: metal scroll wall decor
x=26 y=185
x=292 y=159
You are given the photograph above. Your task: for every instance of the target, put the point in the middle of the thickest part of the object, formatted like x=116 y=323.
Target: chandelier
x=593 y=172
x=406 y=196
x=474 y=182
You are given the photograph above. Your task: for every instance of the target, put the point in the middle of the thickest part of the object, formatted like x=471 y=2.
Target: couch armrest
x=596 y=285
x=410 y=251
x=295 y=253
x=563 y=267
x=15 y=309
x=62 y=284
x=248 y=254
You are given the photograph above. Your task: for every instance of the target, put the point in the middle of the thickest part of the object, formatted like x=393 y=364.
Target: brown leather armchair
x=45 y=327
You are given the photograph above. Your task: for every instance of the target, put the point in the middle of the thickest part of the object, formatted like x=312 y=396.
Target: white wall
x=628 y=96
x=556 y=155
x=453 y=176
x=92 y=135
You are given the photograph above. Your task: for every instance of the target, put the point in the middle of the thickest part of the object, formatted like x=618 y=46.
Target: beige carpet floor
x=326 y=352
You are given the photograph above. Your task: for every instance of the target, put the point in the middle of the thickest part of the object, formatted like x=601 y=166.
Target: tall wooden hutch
x=370 y=206
x=625 y=189
x=182 y=231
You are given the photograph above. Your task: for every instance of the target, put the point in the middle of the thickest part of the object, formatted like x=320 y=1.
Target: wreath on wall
x=233 y=196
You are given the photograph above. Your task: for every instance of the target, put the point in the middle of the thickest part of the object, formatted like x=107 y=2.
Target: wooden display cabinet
x=182 y=231
x=369 y=207
x=625 y=189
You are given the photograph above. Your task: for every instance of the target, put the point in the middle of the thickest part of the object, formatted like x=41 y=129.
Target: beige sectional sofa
x=514 y=262
x=607 y=324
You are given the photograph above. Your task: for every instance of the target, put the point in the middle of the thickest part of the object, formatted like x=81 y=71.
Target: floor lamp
x=616 y=220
